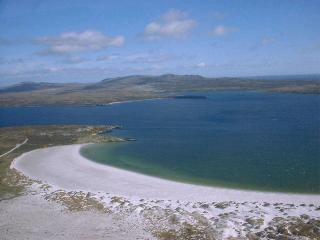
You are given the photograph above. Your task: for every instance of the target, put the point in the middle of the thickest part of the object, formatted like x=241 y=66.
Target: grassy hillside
x=141 y=87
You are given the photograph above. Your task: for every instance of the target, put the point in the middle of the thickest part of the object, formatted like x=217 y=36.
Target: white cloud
x=74 y=60
x=264 y=42
x=107 y=58
x=201 y=64
x=218 y=15
x=149 y=58
x=267 y=41
x=71 y=42
x=221 y=30
x=173 y=24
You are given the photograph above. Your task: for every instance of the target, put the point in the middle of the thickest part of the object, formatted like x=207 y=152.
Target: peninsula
x=139 y=87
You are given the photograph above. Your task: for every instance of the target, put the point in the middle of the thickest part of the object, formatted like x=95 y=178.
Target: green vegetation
x=77 y=201
x=164 y=222
x=141 y=87
x=11 y=182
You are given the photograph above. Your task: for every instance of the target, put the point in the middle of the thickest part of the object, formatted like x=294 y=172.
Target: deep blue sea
x=250 y=140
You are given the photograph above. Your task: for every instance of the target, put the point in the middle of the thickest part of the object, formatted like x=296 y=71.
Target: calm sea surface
x=251 y=140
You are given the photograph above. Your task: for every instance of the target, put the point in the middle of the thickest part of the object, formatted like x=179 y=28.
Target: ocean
x=246 y=140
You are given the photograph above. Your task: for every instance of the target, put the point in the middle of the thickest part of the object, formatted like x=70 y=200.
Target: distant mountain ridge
x=146 y=79
x=143 y=86
x=300 y=77
x=141 y=80
x=29 y=86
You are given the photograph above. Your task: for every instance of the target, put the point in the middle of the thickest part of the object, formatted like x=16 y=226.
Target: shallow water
x=253 y=140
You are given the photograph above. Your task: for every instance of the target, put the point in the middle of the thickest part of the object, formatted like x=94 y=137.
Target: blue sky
x=85 y=41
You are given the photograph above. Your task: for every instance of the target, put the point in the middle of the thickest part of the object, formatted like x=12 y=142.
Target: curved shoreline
x=136 y=100
x=64 y=167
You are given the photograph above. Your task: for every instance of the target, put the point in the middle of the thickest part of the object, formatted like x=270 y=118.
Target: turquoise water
x=240 y=140
x=249 y=140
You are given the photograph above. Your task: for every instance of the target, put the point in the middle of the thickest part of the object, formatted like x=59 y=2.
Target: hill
x=142 y=87
x=29 y=86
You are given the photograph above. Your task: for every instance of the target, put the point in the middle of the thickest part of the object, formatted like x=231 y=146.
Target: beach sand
x=79 y=199
x=64 y=167
x=33 y=217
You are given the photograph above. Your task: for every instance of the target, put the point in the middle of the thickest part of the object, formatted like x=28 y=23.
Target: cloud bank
x=73 y=42
x=173 y=24
x=221 y=30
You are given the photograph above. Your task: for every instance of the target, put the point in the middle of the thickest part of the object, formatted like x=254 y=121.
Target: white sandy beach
x=65 y=168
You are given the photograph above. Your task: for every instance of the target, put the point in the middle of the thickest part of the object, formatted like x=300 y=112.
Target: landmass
x=139 y=87
x=41 y=137
x=189 y=97
x=33 y=208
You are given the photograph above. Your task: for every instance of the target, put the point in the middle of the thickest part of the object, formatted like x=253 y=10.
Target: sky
x=87 y=41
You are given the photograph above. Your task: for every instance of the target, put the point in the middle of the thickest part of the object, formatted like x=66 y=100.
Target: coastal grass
x=165 y=223
x=12 y=183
